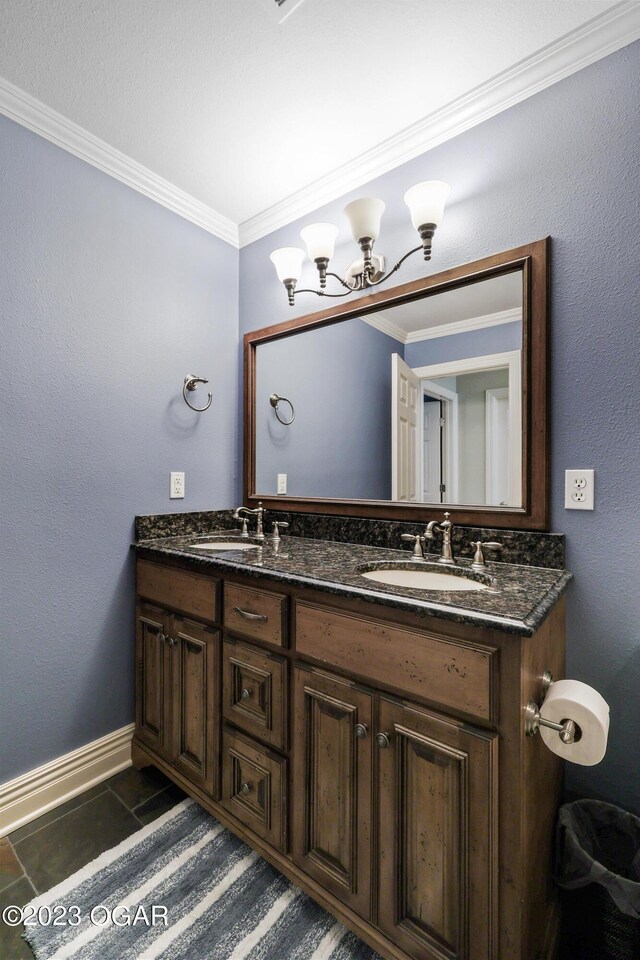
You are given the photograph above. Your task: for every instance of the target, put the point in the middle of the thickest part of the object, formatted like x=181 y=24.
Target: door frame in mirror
x=533 y=260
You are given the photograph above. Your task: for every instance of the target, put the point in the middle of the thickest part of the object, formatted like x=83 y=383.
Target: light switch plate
x=579 y=489
x=282 y=483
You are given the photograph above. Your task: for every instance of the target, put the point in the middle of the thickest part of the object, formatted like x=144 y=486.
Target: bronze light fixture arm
x=376 y=283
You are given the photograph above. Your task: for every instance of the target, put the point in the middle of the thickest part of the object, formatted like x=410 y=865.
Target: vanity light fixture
x=426 y=205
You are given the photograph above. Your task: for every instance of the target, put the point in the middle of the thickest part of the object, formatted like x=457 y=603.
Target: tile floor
x=42 y=853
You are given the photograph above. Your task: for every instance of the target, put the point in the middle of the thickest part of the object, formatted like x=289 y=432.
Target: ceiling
x=497 y=299
x=240 y=112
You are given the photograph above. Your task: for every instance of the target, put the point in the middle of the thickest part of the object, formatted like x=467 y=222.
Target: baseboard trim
x=40 y=790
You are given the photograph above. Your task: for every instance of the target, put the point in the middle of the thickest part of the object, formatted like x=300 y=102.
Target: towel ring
x=191 y=383
x=275 y=400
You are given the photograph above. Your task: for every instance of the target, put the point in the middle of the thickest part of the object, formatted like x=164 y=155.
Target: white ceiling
x=239 y=111
x=491 y=298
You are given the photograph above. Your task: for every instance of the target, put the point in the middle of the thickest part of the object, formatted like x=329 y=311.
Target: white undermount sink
x=224 y=545
x=421 y=579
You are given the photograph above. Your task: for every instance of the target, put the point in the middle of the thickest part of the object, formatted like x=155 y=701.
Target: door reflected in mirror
x=419 y=402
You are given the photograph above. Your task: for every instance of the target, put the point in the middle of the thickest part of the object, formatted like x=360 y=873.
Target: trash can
x=597 y=865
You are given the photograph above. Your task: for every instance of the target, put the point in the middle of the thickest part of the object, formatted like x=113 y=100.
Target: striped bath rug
x=184 y=888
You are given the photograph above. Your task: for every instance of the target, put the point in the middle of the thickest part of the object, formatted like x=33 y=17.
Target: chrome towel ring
x=275 y=401
x=191 y=383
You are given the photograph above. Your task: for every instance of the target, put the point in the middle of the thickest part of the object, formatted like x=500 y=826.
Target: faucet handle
x=479 y=562
x=277 y=527
x=418 y=553
x=244 y=532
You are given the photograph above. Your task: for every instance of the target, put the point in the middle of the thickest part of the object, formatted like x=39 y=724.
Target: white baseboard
x=40 y=790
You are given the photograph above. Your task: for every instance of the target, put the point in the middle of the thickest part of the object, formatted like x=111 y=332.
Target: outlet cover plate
x=579 y=489
x=176 y=488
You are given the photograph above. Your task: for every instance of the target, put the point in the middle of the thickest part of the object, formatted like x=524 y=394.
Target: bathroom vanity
x=367 y=741
x=368 y=738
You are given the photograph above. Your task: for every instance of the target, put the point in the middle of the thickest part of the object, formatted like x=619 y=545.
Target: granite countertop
x=519 y=598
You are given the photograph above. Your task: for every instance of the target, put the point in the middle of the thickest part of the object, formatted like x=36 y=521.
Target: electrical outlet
x=579 y=489
x=176 y=490
x=282 y=483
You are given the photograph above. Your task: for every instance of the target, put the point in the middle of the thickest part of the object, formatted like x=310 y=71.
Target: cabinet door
x=195 y=678
x=438 y=834
x=152 y=671
x=332 y=785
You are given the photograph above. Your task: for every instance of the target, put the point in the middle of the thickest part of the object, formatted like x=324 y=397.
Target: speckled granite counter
x=519 y=599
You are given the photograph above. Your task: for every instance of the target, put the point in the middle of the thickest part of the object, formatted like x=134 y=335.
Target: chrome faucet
x=258 y=512
x=445 y=528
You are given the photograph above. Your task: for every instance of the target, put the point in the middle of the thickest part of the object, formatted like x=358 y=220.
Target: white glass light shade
x=320 y=239
x=364 y=217
x=426 y=202
x=288 y=262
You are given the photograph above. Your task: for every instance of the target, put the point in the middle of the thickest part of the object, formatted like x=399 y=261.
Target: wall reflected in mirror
x=418 y=402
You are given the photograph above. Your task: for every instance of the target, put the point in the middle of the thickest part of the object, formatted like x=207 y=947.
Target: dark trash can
x=598 y=868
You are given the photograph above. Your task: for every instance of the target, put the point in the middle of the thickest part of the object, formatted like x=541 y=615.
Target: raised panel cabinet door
x=437 y=835
x=195 y=678
x=152 y=669
x=332 y=785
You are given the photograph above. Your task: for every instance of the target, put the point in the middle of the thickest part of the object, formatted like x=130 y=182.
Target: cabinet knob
x=161 y=637
x=245 y=788
x=383 y=740
x=246 y=694
x=361 y=730
x=170 y=641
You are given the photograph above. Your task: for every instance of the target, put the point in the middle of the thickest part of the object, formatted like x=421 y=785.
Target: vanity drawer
x=178 y=589
x=254 y=784
x=255 y=613
x=458 y=676
x=255 y=691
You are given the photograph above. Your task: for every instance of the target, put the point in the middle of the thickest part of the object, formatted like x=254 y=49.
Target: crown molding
x=598 y=38
x=465 y=326
x=604 y=34
x=41 y=119
x=385 y=325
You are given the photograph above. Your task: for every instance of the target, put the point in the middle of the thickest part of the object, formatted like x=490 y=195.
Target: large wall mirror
x=428 y=396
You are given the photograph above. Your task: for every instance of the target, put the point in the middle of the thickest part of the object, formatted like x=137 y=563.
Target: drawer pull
x=245 y=788
x=251 y=616
x=383 y=741
x=361 y=730
x=246 y=694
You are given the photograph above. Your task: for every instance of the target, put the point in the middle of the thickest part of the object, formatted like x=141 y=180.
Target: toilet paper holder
x=568 y=730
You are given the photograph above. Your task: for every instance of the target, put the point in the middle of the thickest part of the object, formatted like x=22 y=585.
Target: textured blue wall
x=459 y=346
x=107 y=301
x=564 y=163
x=339 y=380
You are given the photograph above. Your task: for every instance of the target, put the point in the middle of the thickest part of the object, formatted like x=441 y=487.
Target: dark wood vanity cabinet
x=333 y=785
x=178 y=671
x=376 y=757
x=431 y=842
x=177 y=667
x=437 y=847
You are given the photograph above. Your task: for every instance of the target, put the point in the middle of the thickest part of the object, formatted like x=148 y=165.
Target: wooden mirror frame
x=533 y=259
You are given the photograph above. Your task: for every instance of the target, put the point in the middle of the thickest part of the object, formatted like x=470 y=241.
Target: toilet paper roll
x=573 y=700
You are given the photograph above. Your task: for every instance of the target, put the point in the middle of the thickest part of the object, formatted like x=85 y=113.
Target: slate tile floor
x=42 y=853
